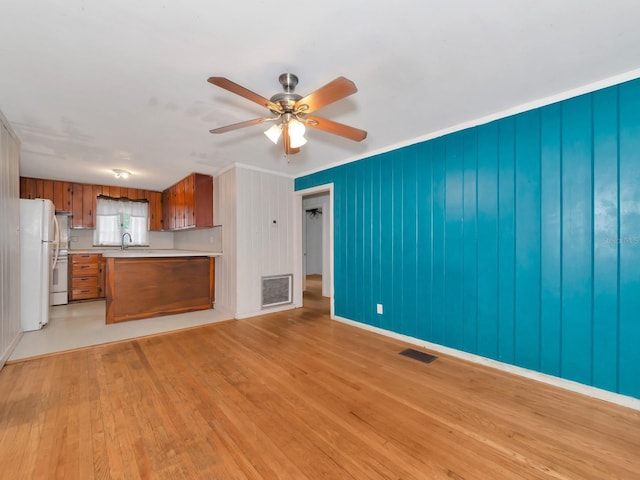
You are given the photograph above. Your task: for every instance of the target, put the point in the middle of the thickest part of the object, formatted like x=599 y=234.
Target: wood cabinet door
x=77 y=219
x=155 y=210
x=180 y=210
x=102 y=269
x=88 y=206
x=203 y=200
x=189 y=201
x=166 y=199
x=36 y=188
x=83 y=204
x=47 y=190
x=27 y=187
x=62 y=195
x=174 y=207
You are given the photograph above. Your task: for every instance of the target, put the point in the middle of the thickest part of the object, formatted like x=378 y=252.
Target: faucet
x=123 y=246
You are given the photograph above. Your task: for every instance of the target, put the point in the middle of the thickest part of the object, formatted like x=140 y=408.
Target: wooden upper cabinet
x=166 y=209
x=27 y=187
x=59 y=192
x=83 y=208
x=202 y=214
x=189 y=203
x=62 y=196
x=189 y=210
x=36 y=188
x=155 y=209
x=79 y=199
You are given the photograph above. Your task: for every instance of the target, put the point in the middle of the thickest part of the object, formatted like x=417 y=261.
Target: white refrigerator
x=38 y=251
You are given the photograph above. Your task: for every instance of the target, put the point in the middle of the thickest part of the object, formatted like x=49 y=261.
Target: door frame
x=299 y=246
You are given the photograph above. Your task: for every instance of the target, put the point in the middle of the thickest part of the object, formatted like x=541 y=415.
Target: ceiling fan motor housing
x=287 y=99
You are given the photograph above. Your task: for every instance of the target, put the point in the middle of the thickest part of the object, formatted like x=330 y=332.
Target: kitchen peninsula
x=150 y=283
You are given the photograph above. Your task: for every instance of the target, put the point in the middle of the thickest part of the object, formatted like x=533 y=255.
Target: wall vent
x=277 y=290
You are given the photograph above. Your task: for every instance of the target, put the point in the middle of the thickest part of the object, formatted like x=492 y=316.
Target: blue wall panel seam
x=540 y=243
x=560 y=367
x=593 y=245
x=475 y=242
x=515 y=251
x=618 y=232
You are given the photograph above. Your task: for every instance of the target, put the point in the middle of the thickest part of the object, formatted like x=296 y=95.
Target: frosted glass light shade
x=273 y=133
x=296 y=134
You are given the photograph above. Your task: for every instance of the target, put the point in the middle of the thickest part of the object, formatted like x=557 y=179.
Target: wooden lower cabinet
x=139 y=288
x=86 y=276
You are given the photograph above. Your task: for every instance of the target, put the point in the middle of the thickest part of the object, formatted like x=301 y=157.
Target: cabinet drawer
x=84 y=269
x=84 y=258
x=84 y=293
x=84 y=282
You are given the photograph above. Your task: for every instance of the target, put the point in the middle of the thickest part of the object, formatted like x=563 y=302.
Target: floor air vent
x=276 y=290
x=418 y=355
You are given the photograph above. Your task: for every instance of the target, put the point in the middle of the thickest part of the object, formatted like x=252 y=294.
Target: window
x=117 y=216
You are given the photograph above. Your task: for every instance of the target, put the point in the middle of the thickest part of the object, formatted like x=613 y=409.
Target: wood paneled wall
x=517 y=240
x=10 y=326
x=249 y=201
x=225 y=195
x=265 y=235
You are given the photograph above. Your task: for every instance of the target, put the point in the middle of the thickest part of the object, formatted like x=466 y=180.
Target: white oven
x=58 y=294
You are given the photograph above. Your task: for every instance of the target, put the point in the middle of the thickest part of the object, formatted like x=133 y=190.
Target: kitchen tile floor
x=80 y=325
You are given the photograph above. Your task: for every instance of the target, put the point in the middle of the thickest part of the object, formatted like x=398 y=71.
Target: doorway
x=314 y=242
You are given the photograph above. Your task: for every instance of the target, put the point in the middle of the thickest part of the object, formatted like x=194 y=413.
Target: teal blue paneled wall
x=517 y=240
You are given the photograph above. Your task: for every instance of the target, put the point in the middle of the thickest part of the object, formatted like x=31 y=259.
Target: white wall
x=82 y=238
x=10 y=329
x=225 y=214
x=204 y=239
x=264 y=235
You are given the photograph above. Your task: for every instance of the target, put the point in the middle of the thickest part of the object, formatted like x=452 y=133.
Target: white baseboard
x=607 y=396
x=289 y=306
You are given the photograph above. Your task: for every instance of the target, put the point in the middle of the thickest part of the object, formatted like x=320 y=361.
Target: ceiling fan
x=290 y=111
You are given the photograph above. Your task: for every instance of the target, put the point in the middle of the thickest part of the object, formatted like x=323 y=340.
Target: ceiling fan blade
x=336 y=128
x=288 y=149
x=332 y=92
x=246 y=123
x=244 y=92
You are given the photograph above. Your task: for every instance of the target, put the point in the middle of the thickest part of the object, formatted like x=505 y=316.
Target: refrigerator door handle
x=56 y=239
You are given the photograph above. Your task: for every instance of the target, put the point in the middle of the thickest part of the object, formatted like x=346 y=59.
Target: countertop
x=145 y=253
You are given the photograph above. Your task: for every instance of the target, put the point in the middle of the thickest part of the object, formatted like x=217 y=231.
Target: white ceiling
x=92 y=85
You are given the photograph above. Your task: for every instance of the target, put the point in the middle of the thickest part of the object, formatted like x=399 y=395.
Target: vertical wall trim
x=561 y=208
x=540 y=244
x=514 y=245
x=593 y=244
x=618 y=243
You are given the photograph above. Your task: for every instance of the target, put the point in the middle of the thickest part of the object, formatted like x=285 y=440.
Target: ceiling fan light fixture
x=296 y=134
x=273 y=133
x=297 y=142
x=120 y=173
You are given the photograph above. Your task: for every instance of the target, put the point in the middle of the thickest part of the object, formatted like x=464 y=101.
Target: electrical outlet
x=210 y=239
x=379 y=308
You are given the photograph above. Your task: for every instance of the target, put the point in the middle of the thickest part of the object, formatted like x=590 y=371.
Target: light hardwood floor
x=295 y=395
